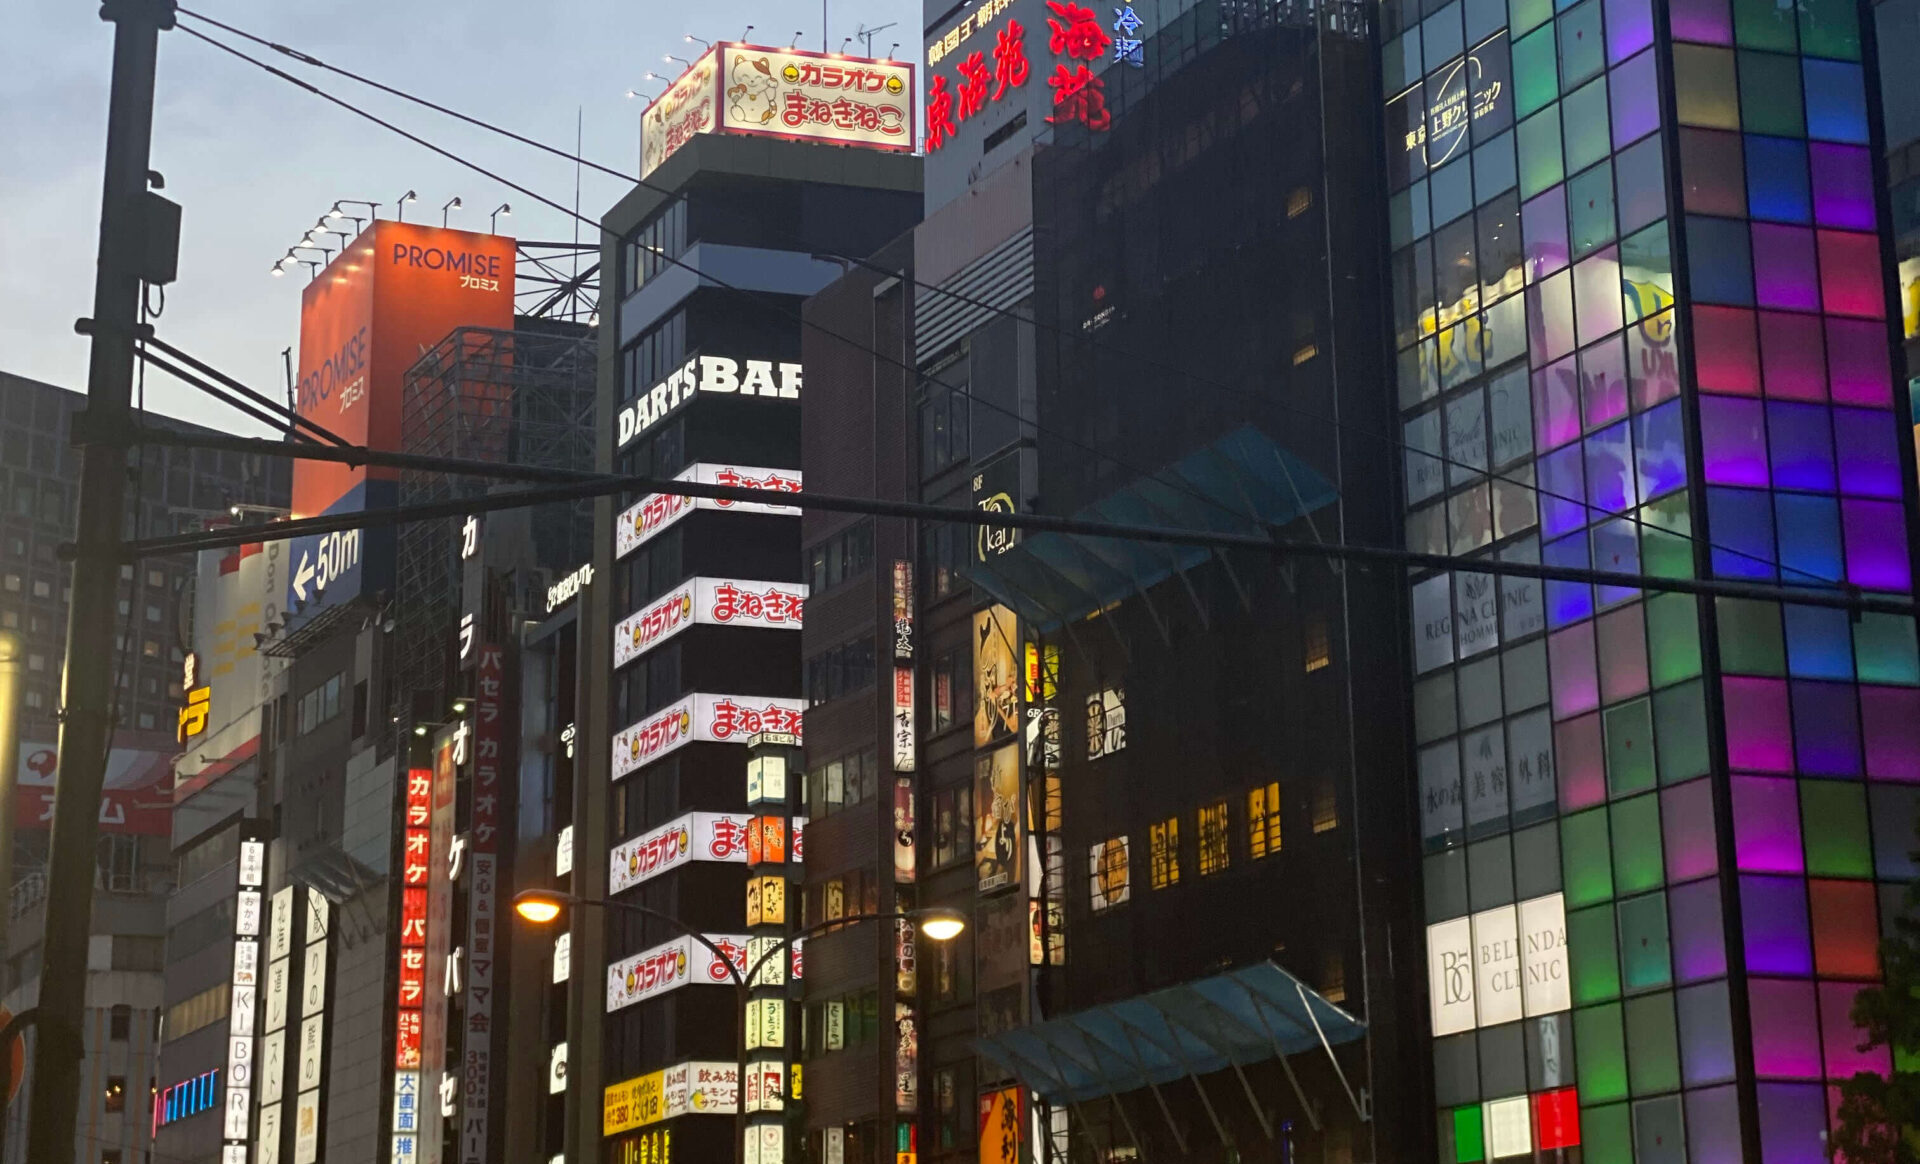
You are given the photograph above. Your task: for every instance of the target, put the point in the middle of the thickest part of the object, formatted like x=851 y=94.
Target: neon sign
x=187 y=1098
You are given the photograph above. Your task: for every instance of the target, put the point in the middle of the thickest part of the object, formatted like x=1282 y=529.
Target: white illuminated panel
x=1450 y=975
x=1509 y=1127
x=1496 y=965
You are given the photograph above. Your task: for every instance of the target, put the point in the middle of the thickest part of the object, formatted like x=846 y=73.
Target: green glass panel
x=1704 y=90
x=1536 y=72
x=1539 y=141
x=1666 y=546
x=1680 y=729
x=1770 y=95
x=1763 y=24
x=1629 y=729
x=1600 y=1052
x=1590 y=950
x=1829 y=28
x=1586 y=862
x=1751 y=641
x=1590 y=209
x=1637 y=863
x=1584 y=126
x=1583 y=52
x=1469 y=1144
x=1884 y=651
x=1526 y=15
x=1653 y=1045
x=1606 y=1134
x=1645 y=957
x=1833 y=825
x=1905 y=1060
x=1673 y=638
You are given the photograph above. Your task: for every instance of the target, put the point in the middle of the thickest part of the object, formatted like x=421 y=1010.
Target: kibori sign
x=764 y=378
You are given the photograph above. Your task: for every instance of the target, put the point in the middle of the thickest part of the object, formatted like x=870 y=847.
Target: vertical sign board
x=483 y=841
x=273 y=1041
x=308 y=1120
x=396 y=289
x=416 y=855
x=248 y=912
x=452 y=749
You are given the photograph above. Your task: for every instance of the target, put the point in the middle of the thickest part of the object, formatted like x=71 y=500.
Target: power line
x=601 y=485
x=1399 y=447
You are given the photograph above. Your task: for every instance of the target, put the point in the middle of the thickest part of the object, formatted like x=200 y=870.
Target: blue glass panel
x=1809 y=539
x=1733 y=441
x=1609 y=470
x=1802 y=446
x=1819 y=643
x=1742 y=525
x=1871 y=467
x=1720 y=261
x=1774 y=910
x=1836 y=101
x=1826 y=729
x=1562 y=486
x=1659 y=450
x=1777 y=179
x=1567 y=601
x=1616 y=546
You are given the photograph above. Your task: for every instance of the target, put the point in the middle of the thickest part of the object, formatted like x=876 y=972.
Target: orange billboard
x=397 y=289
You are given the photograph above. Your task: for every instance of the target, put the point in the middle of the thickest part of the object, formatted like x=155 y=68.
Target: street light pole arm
x=817 y=928
x=647 y=911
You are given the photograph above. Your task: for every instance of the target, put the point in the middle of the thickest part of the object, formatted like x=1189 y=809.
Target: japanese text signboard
x=709 y=602
x=697 y=836
x=714 y=719
x=416 y=854
x=644 y=519
x=483 y=831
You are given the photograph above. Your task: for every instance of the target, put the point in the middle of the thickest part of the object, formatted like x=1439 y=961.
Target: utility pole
x=128 y=254
x=11 y=664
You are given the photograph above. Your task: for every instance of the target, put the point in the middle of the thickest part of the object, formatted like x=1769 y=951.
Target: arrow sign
x=303 y=575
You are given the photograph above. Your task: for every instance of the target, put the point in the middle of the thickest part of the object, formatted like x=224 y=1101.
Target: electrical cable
x=1399 y=447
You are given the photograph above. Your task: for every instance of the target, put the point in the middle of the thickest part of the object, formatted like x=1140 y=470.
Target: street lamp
x=453 y=204
x=495 y=216
x=400 y=207
x=682 y=60
x=544 y=907
x=692 y=39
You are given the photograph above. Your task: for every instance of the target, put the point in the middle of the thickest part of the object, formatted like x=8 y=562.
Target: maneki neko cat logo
x=751 y=96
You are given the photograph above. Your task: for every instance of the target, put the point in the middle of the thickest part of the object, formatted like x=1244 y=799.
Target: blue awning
x=1242 y=483
x=1232 y=1019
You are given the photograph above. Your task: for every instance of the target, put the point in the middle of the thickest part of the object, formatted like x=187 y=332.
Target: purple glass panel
x=1790 y=352
x=1713 y=1126
x=1809 y=528
x=1784 y=272
x=1871 y=466
x=1556 y=407
x=1876 y=545
x=1568 y=601
x=1773 y=912
x=1686 y=825
x=1635 y=99
x=1826 y=729
x=1802 y=445
x=1757 y=724
x=1659 y=450
x=1786 y=1034
x=1570 y=658
x=1857 y=357
x=1562 y=488
x=1793 y=1123
x=1842 y=186
x=1610 y=470
x=1890 y=720
x=1707 y=21
x=1629 y=28
x=1616 y=546
x=1699 y=934
x=1543 y=229
x=1580 y=762
x=1840 y=1039
x=1734 y=440
x=1850 y=274
x=1766 y=825
x=1603 y=381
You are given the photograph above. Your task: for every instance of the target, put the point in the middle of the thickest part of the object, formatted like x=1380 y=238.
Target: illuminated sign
x=710 y=602
x=697 y=836
x=786 y=93
x=1498 y=965
x=696 y=1088
x=1127 y=45
x=645 y=518
x=972 y=21
x=715 y=719
x=188 y=1098
x=245 y=985
x=902 y=721
x=767 y=379
x=1471 y=89
x=564 y=591
x=416 y=854
x=671 y=965
x=193 y=716
x=483 y=833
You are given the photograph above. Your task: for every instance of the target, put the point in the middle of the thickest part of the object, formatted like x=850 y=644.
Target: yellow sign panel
x=633 y=1103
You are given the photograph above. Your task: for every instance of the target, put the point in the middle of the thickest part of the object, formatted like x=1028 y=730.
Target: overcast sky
x=254 y=161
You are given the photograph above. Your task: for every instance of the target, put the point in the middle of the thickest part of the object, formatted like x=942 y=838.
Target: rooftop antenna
x=867 y=34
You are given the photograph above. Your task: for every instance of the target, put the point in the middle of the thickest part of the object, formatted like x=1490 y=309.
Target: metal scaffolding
x=520 y=397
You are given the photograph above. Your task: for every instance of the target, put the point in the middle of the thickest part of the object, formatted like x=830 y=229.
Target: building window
x=1299 y=201
x=146 y=721
x=944 y=437
x=1106 y=723
x=952 y=825
x=842 y=783
x=1326 y=808
x=153 y=613
x=1212 y=835
x=1109 y=874
x=1333 y=977
x=952 y=689
x=156 y=579
x=36 y=662
x=1319 y=649
x=150 y=649
x=42 y=588
x=1163 y=841
x=841 y=671
x=120 y=1022
x=1263 y=820
x=318 y=705
x=841 y=558
x=203 y=1009
x=944 y=552
x=116 y=1094
x=13 y=583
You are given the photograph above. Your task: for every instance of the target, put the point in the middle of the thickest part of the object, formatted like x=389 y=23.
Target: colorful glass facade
x=1640 y=310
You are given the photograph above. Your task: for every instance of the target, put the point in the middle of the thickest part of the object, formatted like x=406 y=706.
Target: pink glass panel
x=1840 y=1039
x=1570 y=657
x=1686 y=822
x=1857 y=358
x=1850 y=274
x=1785 y=1033
x=1791 y=353
x=1890 y=721
x=1580 y=762
x=1758 y=736
x=1724 y=351
x=1783 y=267
x=1766 y=825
